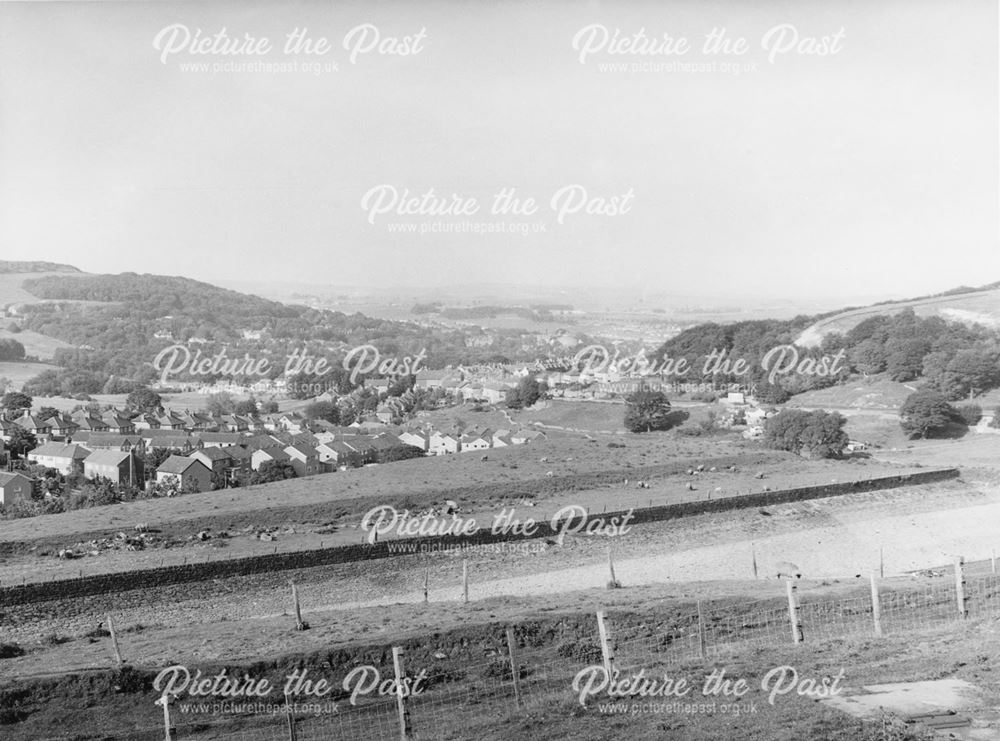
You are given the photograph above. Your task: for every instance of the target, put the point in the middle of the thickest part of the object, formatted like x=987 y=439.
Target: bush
x=996 y=419
x=10 y=651
x=926 y=414
x=816 y=433
x=969 y=414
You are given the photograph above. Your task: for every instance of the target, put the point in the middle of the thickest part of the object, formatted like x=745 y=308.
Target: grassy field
x=585 y=416
x=18 y=373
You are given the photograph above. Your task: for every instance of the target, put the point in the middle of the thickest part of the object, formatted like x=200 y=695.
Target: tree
x=246 y=407
x=272 y=471
x=21 y=441
x=817 y=433
x=325 y=410
x=143 y=401
x=646 y=411
x=269 y=407
x=15 y=401
x=868 y=357
x=399 y=453
x=925 y=413
x=906 y=358
x=526 y=393
x=220 y=402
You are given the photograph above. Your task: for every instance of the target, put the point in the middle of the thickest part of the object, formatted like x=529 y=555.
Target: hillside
x=35 y=266
x=970 y=306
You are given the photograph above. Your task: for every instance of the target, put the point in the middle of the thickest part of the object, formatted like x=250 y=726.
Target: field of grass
x=584 y=416
x=878 y=393
x=18 y=373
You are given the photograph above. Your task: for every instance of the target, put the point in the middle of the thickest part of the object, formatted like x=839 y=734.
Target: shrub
x=10 y=651
x=969 y=414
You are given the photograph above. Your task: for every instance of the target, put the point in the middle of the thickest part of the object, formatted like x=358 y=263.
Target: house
x=89 y=423
x=185 y=473
x=268 y=455
x=40 y=428
x=233 y=423
x=385 y=413
x=334 y=454
x=108 y=441
x=65 y=458
x=239 y=462
x=477 y=441
x=61 y=428
x=177 y=440
x=218 y=460
x=291 y=422
x=378 y=385
x=304 y=459
x=416 y=439
x=494 y=393
x=119 y=466
x=443 y=444
x=118 y=422
x=7 y=429
x=15 y=487
x=433 y=379
x=501 y=439
x=220 y=439
x=526 y=436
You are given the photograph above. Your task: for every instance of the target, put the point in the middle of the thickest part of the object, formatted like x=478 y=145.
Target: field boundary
x=123 y=581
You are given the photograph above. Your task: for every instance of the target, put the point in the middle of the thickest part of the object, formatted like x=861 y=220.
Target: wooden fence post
x=427 y=576
x=515 y=670
x=114 y=641
x=402 y=713
x=793 y=612
x=611 y=570
x=881 y=563
x=876 y=608
x=702 y=646
x=753 y=557
x=465 y=581
x=299 y=625
x=960 y=587
x=606 y=653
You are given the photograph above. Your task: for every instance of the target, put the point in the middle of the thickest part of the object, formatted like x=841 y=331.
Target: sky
x=868 y=170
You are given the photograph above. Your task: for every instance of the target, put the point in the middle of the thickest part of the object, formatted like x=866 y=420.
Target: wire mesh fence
x=459 y=695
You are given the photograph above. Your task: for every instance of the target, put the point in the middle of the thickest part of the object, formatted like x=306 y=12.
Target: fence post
x=606 y=653
x=426 y=580
x=876 y=608
x=960 y=587
x=292 y=734
x=702 y=647
x=753 y=557
x=793 y=612
x=881 y=563
x=465 y=581
x=114 y=641
x=611 y=570
x=515 y=671
x=299 y=625
x=401 y=711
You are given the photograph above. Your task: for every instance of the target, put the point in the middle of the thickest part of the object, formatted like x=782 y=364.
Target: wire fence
x=458 y=695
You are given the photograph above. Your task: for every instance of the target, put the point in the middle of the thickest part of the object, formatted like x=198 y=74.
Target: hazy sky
x=872 y=170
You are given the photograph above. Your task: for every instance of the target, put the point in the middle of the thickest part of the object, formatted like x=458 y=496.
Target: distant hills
x=12 y=266
x=966 y=305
